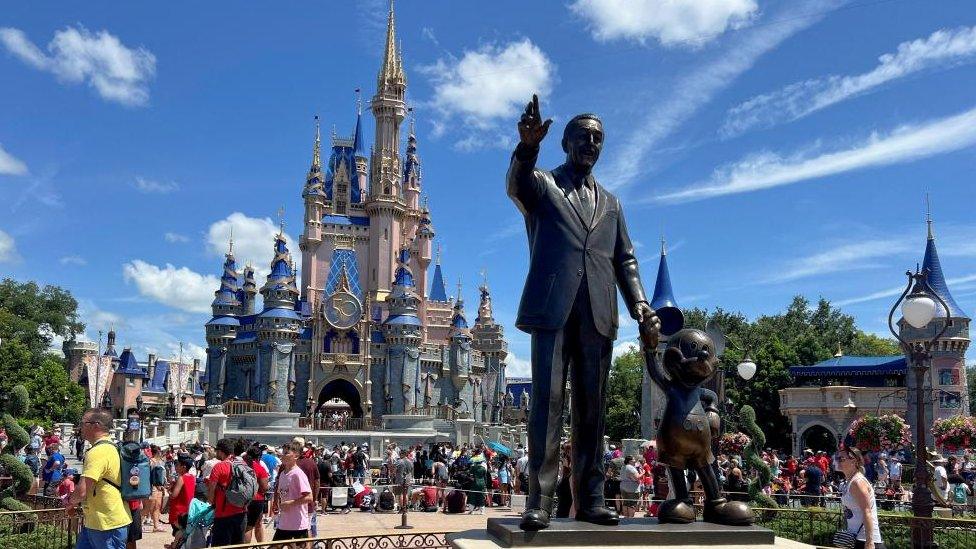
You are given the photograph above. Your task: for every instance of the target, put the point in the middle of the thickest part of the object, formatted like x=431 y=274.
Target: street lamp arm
x=891 y=315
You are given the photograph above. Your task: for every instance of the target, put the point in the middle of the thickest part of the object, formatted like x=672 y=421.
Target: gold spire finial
x=484 y=277
x=359 y=101
x=230 y=244
x=438 y=258
x=317 y=147
x=928 y=215
x=413 y=119
x=664 y=248
x=459 y=290
x=281 y=221
x=840 y=352
x=392 y=69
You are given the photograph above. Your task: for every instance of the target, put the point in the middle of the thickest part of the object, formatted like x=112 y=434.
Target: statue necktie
x=586 y=201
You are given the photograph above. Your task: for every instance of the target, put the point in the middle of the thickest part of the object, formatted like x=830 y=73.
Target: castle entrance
x=819 y=438
x=340 y=394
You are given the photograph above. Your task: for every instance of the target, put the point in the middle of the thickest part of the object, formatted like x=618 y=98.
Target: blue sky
x=781 y=147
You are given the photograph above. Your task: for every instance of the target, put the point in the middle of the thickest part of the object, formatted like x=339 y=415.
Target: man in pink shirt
x=292 y=497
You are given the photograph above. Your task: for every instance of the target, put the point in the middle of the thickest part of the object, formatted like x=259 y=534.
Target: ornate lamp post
x=919 y=309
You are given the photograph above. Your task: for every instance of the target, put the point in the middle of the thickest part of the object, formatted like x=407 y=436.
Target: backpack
x=243 y=485
x=133 y=469
x=959 y=493
x=157 y=476
x=386 y=500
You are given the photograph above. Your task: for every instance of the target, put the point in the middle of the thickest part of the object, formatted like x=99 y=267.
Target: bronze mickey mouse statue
x=690 y=424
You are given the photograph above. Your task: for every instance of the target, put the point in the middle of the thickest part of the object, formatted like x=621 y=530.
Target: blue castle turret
x=403 y=333
x=278 y=327
x=663 y=294
x=946 y=379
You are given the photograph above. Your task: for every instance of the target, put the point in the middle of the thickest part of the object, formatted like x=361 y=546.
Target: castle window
x=950 y=399
x=948 y=376
x=341 y=207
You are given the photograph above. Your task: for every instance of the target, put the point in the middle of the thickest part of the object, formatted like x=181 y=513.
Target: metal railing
x=442 y=411
x=239 y=407
x=434 y=540
x=38 y=529
x=817 y=527
x=343 y=424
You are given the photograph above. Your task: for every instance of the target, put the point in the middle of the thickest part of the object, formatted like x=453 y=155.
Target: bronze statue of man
x=579 y=254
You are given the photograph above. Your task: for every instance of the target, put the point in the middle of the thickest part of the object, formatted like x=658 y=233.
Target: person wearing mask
x=292 y=497
x=107 y=517
x=259 y=505
x=858 y=499
x=229 y=520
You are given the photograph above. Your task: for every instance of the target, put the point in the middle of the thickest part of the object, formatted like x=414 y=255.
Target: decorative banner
x=179 y=374
x=99 y=370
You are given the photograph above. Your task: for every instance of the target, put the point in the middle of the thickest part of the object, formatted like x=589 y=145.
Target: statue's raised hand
x=532 y=130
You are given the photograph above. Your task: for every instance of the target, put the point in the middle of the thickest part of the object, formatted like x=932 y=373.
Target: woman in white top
x=860 y=506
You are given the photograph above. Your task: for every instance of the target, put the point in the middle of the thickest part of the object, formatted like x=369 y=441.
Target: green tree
x=971 y=381
x=30 y=318
x=624 y=395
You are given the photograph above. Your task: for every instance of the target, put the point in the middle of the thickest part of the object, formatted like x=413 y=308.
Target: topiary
x=17 y=437
x=747 y=415
x=19 y=401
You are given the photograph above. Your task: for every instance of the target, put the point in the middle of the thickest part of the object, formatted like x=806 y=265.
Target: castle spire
x=317 y=147
x=358 y=143
x=928 y=215
x=392 y=69
x=663 y=294
x=936 y=277
x=438 y=290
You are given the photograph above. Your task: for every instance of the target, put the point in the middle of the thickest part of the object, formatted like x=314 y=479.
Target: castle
x=363 y=324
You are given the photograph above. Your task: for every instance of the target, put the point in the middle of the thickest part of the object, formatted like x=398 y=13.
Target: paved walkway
x=357 y=523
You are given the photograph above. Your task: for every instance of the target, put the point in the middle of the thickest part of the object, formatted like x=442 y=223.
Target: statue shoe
x=730 y=513
x=676 y=512
x=599 y=515
x=534 y=519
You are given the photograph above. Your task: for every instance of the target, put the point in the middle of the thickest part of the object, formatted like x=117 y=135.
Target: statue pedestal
x=637 y=532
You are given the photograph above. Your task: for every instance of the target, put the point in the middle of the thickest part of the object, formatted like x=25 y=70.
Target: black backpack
x=386 y=500
x=157 y=476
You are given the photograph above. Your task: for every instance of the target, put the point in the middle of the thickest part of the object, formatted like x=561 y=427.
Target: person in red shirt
x=180 y=494
x=823 y=462
x=259 y=506
x=229 y=520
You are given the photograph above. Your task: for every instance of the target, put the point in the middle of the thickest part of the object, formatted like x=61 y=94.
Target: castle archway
x=819 y=438
x=345 y=391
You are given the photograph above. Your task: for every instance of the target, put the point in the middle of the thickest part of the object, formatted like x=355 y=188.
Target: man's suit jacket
x=563 y=247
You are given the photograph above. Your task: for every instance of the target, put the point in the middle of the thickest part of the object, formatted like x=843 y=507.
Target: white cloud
x=8 y=248
x=175 y=237
x=671 y=22
x=890 y=292
x=76 y=260
x=845 y=257
x=624 y=347
x=76 y=55
x=180 y=288
x=150 y=186
x=766 y=170
x=696 y=89
x=487 y=85
x=253 y=241
x=10 y=164
x=517 y=367
x=941 y=48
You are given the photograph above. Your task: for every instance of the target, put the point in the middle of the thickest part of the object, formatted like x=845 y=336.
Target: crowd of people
x=196 y=492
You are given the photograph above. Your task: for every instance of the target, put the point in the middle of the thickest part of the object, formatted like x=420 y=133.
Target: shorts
x=254 y=511
x=227 y=530
x=630 y=499
x=135 y=529
x=280 y=535
x=102 y=539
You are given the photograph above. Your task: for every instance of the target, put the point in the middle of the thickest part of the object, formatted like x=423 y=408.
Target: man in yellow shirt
x=107 y=517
